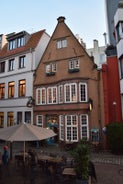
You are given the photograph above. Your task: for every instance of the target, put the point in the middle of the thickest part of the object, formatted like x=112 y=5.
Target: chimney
x=61 y=19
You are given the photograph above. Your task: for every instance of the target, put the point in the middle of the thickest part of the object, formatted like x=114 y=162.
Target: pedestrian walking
x=5 y=161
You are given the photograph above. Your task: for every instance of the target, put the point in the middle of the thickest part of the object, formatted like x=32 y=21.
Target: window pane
x=39 y=120
x=19 y=117
x=49 y=95
x=28 y=117
x=2 y=67
x=22 y=62
x=61 y=43
x=52 y=95
x=84 y=126
x=61 y=120
x=83 y=92
x=11 y=89
x=70 y=93
x=12 y=44
x=71 y=128
x=22 y=88
x=67 y=93
x=48 y=68
x=1 y=119
x=73 y=93
x=60 y=94
x=10 y=121
x=2 y=91
x=43 y=96
x=11 y=64
x=20 y=41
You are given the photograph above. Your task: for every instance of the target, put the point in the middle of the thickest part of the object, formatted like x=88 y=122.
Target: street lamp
x=114 y=106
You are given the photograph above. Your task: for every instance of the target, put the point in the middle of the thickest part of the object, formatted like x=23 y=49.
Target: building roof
x=31 y=44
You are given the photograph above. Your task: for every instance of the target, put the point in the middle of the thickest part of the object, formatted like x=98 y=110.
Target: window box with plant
x=81 y=156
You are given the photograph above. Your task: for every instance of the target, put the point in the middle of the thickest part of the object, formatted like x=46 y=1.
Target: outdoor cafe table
x=69 y=171
x=19 y=157
x=49 y=158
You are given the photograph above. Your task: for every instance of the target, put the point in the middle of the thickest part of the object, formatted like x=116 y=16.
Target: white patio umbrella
x=25 y=132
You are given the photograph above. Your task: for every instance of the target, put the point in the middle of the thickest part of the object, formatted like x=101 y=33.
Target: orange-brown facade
x=68 y=89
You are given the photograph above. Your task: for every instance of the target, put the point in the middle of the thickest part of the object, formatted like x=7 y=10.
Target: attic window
x=74 y=65
x=16 y=42
x=51 y=69
x=20 y=41
x=12 y=44
x=61 y=43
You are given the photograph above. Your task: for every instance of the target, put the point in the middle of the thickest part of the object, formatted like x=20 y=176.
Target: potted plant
x=81 y=156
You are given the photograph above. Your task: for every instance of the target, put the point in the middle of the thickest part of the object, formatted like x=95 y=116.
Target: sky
x=83 y=17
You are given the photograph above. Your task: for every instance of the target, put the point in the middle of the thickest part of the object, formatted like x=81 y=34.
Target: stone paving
x=107 y=158
x=109 y=169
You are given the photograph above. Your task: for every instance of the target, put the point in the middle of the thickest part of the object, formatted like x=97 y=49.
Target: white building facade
x=20 y=54
x=98 y=52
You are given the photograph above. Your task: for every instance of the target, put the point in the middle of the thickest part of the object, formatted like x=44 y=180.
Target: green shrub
x=115 y=137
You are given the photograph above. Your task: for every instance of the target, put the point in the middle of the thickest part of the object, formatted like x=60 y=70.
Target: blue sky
x=83 y=17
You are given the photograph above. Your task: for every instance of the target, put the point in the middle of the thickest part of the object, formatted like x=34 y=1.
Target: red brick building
x=111 y=88
x=68 y=89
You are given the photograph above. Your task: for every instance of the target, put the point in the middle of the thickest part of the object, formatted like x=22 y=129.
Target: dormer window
x=16 y=40
x=20 y=41
x=73 y=65
x=51 y=69
x=61 y=43
x=12 y=44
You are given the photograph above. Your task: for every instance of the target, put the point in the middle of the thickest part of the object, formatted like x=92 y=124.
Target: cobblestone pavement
x=109 y=173
x=107 y=158
x=106 y=174
x=109 y=170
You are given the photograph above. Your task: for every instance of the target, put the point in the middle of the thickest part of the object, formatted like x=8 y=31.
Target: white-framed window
x=11 y=65
x=61 y=127
x=40 y=96
x=20 y=41
x=12 y=44
x=82 y=92
x=74 y=64
x=51 y=68
x=39 y=120
x=84 y=130
x=60 y=94
x=52 y=95
x=61 y=43
x=71 y=128
x=70 y=92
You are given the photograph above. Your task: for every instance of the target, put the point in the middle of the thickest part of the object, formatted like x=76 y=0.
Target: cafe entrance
x=52 y=123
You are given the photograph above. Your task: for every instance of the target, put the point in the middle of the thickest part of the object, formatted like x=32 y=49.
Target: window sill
x=50 y=74
x=73 y=70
